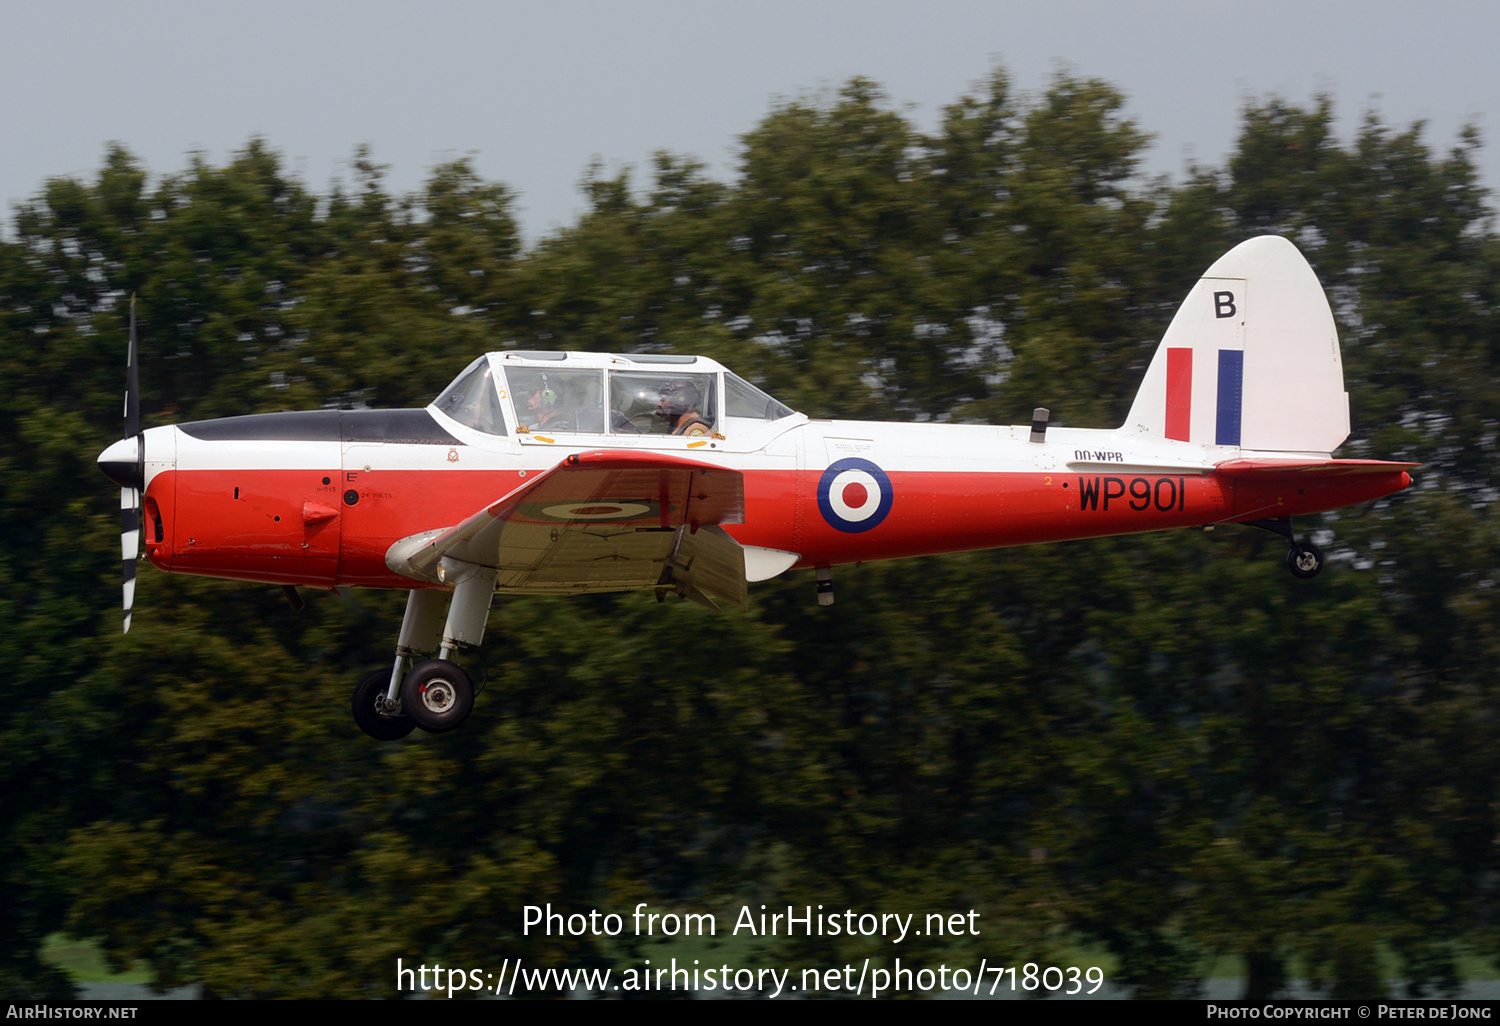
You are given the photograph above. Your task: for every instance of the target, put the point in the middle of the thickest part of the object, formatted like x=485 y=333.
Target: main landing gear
x=438 y=695
x=376 y=716
x=1303 y=559
x=435 y=694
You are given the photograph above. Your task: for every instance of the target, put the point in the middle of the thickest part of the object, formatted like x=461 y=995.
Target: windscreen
x=472 y=400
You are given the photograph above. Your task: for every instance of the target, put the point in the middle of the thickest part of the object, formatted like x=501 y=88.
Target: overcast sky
x=533 y=91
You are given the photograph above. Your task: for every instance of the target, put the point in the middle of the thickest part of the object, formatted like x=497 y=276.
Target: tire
x=438 y=695
x=1304 y=560
x=372 y=721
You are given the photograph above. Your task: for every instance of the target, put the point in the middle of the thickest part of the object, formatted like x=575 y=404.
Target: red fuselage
x=334 y=525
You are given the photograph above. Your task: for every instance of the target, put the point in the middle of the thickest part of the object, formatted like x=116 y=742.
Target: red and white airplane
x=562 y=473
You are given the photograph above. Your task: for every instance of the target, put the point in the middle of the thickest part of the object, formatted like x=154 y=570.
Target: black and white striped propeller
x=130 y=498
x=125 y=464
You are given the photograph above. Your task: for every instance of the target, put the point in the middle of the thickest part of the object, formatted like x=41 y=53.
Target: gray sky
x=533 y=91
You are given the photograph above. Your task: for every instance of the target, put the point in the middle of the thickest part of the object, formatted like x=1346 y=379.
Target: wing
x=600 y=521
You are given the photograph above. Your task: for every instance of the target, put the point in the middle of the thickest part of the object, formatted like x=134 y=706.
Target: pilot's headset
x=544 y=394
x=681 y=396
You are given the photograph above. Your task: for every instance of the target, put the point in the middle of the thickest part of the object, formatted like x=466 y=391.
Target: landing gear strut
x=1303 y=559
x=436 y=695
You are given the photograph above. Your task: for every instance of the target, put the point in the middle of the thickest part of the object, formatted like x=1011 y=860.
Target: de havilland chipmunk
x=562 y=473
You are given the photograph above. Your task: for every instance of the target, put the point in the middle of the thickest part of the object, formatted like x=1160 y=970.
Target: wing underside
x=599 y=521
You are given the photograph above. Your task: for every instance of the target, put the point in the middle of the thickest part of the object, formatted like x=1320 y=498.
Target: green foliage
x=1161 y=746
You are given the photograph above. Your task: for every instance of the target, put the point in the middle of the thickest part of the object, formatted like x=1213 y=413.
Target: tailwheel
x=438 y=695
x=1304 y=560
x=381 y=720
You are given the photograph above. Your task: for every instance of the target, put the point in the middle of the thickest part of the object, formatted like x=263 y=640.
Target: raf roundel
x=854 y=495
x=594 y=509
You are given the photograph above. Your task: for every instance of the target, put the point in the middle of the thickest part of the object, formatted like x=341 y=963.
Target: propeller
x=124 y=463
x=130 y=483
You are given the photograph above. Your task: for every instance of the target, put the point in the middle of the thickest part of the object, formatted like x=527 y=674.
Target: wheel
x=438 y=695
x=369 y=696
x=1304 y=560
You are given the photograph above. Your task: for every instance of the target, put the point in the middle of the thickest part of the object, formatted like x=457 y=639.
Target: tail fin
x=1251 y=360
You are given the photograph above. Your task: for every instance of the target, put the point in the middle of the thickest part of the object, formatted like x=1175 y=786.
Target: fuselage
x=320 y=498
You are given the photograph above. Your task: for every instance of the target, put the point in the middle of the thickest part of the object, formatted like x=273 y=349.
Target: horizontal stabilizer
x=1269 y=469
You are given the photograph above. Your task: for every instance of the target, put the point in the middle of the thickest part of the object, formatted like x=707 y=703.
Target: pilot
x=543 y=407
x=678 y=405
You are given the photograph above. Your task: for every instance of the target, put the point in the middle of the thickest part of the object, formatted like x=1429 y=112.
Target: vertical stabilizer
x=1251 y=359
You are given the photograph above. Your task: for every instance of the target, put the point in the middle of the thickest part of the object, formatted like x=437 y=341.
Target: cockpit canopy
x=593 y=393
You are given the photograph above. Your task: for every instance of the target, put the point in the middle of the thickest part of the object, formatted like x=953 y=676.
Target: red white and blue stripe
x=1229 y=400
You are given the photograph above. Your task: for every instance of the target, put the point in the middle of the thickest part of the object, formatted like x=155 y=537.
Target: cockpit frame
x=562 y=397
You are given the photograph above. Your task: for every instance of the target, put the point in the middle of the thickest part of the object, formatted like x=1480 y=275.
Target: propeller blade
x=130 y=544
x=132 y=383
